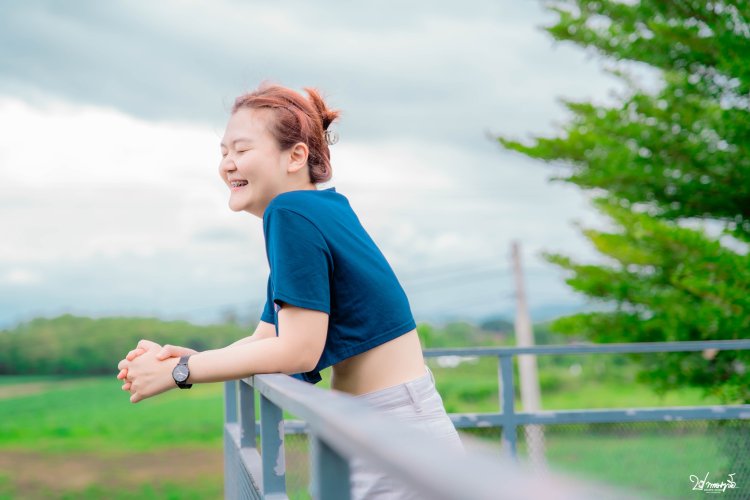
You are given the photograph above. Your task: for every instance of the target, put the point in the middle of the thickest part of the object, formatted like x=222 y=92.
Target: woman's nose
x=227 y=165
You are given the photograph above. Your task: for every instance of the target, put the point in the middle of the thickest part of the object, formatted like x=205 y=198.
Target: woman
x=332 y=298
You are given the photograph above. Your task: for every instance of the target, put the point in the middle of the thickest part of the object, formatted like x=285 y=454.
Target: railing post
x=507 y=399
x=272 y=447
x=247 y=416
x=231 y=464
x=230 y=401
x=330 y=476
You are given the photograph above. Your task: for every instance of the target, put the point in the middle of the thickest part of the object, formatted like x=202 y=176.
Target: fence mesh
x=658 y=459
x=297 y=466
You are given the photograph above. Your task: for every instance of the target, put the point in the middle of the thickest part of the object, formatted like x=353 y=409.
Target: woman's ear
x=298 y=157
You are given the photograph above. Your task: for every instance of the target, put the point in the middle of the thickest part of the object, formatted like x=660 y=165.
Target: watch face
x=180 y=373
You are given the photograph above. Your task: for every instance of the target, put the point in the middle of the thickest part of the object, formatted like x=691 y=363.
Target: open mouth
x=238 y=184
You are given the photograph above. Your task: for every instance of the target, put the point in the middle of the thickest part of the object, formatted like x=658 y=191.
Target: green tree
x=74 y=345
x=497 y=324
x=657 y=163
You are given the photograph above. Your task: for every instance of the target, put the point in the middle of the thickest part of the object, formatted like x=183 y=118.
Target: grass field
x=82 y=438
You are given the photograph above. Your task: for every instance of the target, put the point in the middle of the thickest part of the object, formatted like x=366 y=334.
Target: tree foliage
x=657 y=161
x=75 y=345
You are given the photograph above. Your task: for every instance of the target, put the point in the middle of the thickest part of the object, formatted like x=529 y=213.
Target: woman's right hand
x=168 y=351
x=130 y=357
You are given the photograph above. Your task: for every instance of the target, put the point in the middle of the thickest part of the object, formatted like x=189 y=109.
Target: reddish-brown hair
x=296 y=119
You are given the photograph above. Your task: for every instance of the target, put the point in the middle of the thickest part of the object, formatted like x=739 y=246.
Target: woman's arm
x=264 y=330
x=302 y=336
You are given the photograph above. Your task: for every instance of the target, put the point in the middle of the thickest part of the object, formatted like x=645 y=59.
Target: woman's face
x=252 y=165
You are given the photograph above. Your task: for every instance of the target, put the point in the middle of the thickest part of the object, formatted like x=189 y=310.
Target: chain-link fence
x=296 y=449
x=658 y=459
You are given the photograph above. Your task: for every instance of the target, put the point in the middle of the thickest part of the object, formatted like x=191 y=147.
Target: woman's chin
x=235 y=206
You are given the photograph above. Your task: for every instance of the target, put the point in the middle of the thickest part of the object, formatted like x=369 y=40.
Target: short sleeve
x=268 y=314
x=300 y=261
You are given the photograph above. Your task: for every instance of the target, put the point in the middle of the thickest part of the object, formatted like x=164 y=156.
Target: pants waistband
x=412 y=391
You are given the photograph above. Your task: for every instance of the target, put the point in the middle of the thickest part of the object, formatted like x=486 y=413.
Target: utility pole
x=527 y=367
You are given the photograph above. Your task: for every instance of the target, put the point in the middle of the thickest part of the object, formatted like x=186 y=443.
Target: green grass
x=647 y=460
x=169 y=490
x=474 y=387
x=97 y=415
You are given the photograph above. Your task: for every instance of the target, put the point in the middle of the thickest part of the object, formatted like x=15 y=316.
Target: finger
x=122 y=364
x=164 y=352
x=135 y=398
x=135 y=353
x=167 y=352
x=148 y=345
x=122 y=373
x=126 y=386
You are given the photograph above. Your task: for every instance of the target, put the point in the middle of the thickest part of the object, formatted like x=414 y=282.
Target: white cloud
x=21 y=277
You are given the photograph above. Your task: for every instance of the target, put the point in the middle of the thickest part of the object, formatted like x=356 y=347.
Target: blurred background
x=609 y=139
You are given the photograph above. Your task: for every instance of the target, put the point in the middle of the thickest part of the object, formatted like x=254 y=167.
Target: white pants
x=418 y=404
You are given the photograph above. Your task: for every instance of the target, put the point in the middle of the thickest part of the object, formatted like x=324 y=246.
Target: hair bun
x=327 y=116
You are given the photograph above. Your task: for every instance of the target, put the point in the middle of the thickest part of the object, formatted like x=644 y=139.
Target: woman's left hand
x=149 y=376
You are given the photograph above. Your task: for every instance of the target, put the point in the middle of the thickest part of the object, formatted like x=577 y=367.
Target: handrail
x=509 y=419
x=340 y=427
x=589 y=347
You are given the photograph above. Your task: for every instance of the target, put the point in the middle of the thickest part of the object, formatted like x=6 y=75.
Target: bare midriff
x=392 y=363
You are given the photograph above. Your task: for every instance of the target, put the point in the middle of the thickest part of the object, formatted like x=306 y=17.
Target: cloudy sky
x=111 y=115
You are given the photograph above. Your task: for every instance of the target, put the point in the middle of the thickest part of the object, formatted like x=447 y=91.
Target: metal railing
x=340 y=427
x=509 y=419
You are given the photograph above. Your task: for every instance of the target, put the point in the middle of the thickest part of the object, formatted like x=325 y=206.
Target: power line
x=451 y=282
x=464 y=302
x=441 y=274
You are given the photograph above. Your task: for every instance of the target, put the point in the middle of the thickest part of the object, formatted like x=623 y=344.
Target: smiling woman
x=332 y=297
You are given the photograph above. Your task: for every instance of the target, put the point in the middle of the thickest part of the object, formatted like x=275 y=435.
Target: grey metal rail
x=341 y=427
x=509 y=419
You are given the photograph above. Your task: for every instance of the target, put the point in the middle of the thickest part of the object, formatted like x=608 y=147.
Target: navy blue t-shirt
x=322 y=258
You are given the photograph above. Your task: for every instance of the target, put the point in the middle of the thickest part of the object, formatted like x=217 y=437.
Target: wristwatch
x=181 y=372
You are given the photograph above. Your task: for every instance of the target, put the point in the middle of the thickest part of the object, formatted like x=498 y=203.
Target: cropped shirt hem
x=307 y=304
x=313 y=377
x=375 y=341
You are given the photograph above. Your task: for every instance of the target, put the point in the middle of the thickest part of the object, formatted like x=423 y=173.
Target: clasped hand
x=147 y=369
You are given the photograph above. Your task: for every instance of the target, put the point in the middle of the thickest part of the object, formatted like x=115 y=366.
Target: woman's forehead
x=246 y=124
